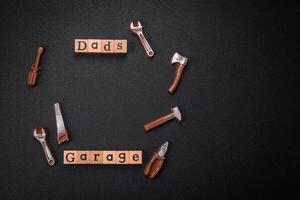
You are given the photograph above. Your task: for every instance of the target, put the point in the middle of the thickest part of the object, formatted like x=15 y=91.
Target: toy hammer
x=181 y=62
x=175 y=113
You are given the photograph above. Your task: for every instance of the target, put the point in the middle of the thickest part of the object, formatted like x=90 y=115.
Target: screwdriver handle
x=34 y=71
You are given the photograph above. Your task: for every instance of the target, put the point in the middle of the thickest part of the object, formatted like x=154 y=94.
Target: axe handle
x=158 y=121
x=178 y=73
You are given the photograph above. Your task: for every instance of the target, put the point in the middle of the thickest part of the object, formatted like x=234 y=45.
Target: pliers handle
x=154 y=165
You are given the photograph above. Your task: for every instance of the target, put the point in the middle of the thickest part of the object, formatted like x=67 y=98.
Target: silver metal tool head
x=39 y=133
x=59 y=119
x=177 y=113
x=163 y=149
x=177 y=58
x=136 y=26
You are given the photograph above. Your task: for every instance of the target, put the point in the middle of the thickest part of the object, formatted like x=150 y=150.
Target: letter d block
x=107 y=46
x=81 y=46
x=70 y=157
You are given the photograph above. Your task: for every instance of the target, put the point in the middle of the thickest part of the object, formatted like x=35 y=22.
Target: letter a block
x=103 y=157
x=100 y=46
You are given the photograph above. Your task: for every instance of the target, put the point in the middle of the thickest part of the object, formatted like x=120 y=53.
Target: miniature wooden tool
x=181 y=63
x=35 y=69
x=62 y=134
x=40 y=134
x=156 y=161
x=103 y=157
x=137 y=28
x=100 y=46
x=174 y=114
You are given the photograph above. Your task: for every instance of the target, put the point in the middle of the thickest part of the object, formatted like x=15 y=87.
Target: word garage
x=103 y=157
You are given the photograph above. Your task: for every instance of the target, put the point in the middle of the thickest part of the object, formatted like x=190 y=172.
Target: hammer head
x=177 y=58
x=177 y=113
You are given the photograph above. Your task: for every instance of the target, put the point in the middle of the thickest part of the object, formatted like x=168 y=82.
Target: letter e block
x=135 y=157
x=81 y=46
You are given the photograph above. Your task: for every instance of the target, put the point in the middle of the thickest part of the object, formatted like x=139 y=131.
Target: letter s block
x=70 y=157
x=120 y=46
x=81 y=45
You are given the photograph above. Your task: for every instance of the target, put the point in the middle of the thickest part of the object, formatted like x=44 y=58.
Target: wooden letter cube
x=96 y=157
x=120 y=46
x=81 y=45
x=70 y=157
x=107 y=46
x=135 y=157
x=82 y=157
x=109 y=157
x=94 y=46
x=122 y=157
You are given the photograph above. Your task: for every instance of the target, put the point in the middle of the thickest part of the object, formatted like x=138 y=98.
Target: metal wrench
x=40 y=134
x=137 y=28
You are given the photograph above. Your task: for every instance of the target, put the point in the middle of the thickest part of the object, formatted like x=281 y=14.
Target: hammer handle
x=178 y=73
x=158 y=121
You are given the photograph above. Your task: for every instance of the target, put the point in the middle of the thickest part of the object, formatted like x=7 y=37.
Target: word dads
x=100 y=46
x=103 y=157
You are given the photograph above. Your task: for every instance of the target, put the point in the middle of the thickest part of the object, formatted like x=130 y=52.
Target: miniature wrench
x=137 y=28
x=156 y=161
x=40 y=134
x=62 y=134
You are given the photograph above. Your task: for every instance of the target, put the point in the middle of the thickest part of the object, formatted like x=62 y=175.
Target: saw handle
x=154 y=165
x=178 y=73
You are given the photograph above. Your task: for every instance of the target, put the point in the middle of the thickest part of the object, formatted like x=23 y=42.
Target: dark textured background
x=238 y=97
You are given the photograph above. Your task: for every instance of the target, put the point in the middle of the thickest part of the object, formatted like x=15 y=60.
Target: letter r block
x=81 y=45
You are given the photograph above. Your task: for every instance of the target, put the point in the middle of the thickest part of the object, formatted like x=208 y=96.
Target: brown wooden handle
x=150 y=163
x=178 y=73
x=32 y=76
x=158 y=121
x=154 y=165
x=33 y=73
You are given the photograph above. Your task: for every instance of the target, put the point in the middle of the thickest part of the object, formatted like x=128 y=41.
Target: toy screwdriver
x=35 y=69
x=156 y=161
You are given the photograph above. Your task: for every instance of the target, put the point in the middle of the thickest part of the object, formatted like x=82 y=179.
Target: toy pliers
x=156 y=161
